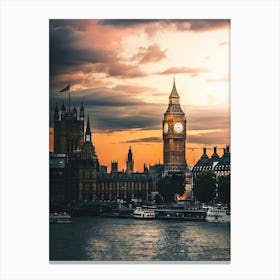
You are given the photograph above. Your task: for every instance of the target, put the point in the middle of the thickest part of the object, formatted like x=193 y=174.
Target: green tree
x=158 y=199
x=204 y=188
x=224 y=189
x=169 y=186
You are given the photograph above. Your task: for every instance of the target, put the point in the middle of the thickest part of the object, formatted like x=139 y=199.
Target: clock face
x=165 y=128
x=178 y=127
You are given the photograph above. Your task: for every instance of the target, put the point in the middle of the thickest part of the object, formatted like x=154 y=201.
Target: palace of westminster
x=76 y=175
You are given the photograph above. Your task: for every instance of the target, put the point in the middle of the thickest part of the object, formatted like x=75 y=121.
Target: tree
x=158 y=199
x=224 y=189
x=169 y=186
x=204 y=188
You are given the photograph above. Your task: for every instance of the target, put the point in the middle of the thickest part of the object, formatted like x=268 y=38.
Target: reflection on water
x=108 y=239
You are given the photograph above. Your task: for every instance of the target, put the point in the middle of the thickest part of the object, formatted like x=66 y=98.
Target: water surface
x=116 y=239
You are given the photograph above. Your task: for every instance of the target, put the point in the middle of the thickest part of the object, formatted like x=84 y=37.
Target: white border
x=255 y=137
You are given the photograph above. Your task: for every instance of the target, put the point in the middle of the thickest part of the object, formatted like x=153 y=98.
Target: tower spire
x=174 y=96
x=88 y=127
x=88 y=131
x=129 y=162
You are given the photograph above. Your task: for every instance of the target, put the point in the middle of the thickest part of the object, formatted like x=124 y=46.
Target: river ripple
x=116 y=239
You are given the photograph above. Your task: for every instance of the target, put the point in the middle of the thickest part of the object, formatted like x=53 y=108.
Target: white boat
x=144 y=212
x=60 y=218
x=218 y=214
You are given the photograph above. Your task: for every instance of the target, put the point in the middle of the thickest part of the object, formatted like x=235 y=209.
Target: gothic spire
x=129 y=155
x=174 y=93
x=88 y=132
x=88 y=126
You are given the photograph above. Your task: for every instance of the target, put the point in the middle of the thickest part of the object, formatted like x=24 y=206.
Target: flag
x=66 y=88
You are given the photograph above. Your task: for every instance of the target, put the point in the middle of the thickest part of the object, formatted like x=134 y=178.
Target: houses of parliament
x=75 y=172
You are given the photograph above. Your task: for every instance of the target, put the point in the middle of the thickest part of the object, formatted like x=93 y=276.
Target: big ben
x=174 y=136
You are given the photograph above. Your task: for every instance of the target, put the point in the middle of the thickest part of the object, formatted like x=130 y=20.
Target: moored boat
x=218 y=214
x=144 y=212
x=191 y=214
x=60 y=218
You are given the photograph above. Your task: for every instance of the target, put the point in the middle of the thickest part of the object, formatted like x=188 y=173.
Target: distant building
x=75 y=173
x=114 y=166
x=223 y=166
x=103 y=169
x=68 y=129
x=125 y=186
x=129 y=162
x=58 y=178
x=219 y=165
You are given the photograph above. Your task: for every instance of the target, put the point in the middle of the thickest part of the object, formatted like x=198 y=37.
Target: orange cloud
x=151 y=54
x=125 y=70
x=186 y=70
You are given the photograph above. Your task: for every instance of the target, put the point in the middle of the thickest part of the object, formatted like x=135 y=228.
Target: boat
x=144 y=212
x=218 y=214
x=60 y=218
x=181 y=214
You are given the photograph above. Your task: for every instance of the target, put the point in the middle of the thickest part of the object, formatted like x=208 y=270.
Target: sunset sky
x=122 y=71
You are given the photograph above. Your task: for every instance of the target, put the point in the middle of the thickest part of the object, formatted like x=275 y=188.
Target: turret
x=204 y=155
x=129 y=155
x=215 y=155
x=82 y=113
x=129 y=162
x=75 y=112
x=114 y=166
x=63 y=110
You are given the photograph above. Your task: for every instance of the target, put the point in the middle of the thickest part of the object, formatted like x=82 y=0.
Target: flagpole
x=69 y=97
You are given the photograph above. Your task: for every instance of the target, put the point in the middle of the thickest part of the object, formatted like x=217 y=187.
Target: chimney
x=215 y=150
x=204 y=150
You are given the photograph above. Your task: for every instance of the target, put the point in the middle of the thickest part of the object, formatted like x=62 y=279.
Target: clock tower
x=174 y=136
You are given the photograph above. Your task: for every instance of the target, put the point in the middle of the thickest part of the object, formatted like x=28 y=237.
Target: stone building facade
x=75 y=172
x=174 y=136
x=219 y=165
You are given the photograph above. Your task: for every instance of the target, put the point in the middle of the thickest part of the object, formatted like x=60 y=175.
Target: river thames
x=116 y=239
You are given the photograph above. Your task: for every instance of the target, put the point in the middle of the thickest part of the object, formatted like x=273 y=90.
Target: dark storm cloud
x=133 y=88
x=117 y=110
x=101 y=97
x=195 y=25
x=220 y=137
x=183 y=70
x=135 y=120
x=145 y=140
x=199 y=118
x=148 y=116
x=78 y=24
x=70 y=49
x=126 y=22
x=202 y=25
x=113 y=110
